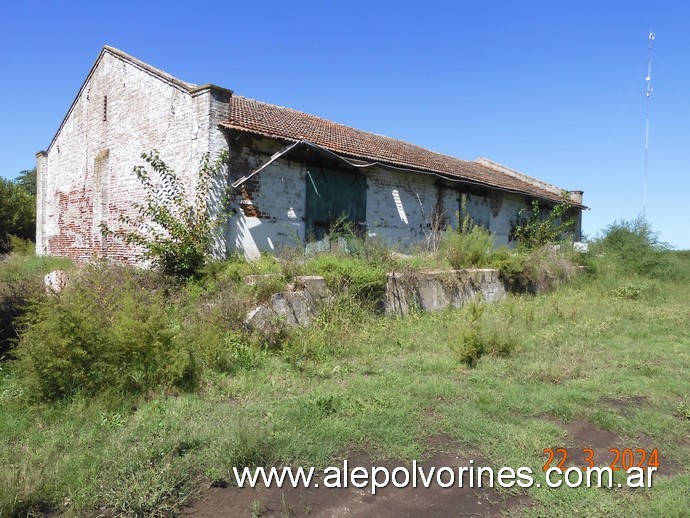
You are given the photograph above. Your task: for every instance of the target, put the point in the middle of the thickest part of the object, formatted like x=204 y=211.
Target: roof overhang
x=362 y=164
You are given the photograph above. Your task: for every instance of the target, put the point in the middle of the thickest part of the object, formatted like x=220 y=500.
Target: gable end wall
x=87 y=178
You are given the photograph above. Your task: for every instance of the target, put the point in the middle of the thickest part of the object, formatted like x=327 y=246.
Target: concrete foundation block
x=436 y=290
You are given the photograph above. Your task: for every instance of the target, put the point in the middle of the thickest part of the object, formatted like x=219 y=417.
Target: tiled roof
x=292 y=125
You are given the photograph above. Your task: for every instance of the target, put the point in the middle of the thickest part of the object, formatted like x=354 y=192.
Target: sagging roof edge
x=183 y=86
x=361 y=164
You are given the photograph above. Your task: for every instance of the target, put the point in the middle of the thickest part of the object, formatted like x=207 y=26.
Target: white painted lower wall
x=403 y=209
x=280 y=201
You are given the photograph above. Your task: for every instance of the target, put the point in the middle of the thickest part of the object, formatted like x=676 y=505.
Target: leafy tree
x=17 y=213
x=533 y=230
x=27 y=180
x=173 y=228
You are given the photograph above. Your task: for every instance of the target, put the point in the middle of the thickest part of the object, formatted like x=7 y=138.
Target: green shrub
x=634 y=248
x=215 y=304
x=478 y=338
x=534 y=271
x=545 y=269
x=104 y=332
x=469 y=247
x=535 y=229
x=511 y=267
x=21 y=246
x=212 y=319
x=21 y=281
x=232 y=353
x=471 y=346
x=174 y=229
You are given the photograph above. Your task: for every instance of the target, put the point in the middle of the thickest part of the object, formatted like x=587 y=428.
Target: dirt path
x=352 y=502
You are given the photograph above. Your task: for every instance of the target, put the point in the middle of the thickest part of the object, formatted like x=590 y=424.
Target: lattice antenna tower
x=646 y=131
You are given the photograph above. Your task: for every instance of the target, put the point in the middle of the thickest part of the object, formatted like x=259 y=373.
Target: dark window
x=332 y=195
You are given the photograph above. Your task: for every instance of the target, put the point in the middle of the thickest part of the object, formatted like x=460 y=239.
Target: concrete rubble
x=55 y=281
x=298 y=306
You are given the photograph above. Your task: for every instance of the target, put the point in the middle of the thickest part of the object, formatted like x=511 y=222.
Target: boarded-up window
x=332 y=195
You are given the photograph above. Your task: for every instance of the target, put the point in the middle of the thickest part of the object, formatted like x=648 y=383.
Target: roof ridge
x=521 y=176
x=162 y=74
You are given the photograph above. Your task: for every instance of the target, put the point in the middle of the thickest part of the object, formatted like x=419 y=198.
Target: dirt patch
x=667 y=467
x=624 y=406
x=584 y=435
x=433 y=409
x=390 y=501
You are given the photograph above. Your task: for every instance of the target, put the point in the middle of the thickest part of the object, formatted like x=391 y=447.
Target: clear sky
x=553 y=89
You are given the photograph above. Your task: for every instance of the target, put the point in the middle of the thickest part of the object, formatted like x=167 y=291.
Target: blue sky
x=553 y=89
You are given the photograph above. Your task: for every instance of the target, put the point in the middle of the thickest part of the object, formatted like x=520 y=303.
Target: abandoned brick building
x=291 y=174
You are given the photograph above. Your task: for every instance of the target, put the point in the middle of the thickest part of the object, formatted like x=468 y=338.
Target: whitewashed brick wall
x=125 y=108
x=401 y=206
x=121 y=111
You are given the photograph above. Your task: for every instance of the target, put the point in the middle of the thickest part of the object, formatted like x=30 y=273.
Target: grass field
x=604 y=358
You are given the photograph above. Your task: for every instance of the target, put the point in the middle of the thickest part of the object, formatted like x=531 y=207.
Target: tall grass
x=469 y=247
x=21 y=282
x=131 y=391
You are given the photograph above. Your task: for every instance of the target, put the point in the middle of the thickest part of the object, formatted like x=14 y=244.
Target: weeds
x=629 y=291
x=682 y=409
x=130 y=435
x=535 y=229
x=478 y=339
x=470 y=246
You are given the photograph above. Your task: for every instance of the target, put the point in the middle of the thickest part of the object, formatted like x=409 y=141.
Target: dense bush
x=468 y=247
x=21 y=281
x=106 y=331
x=633 y=248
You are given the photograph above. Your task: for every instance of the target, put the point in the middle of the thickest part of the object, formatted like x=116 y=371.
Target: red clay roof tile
x=287 y=124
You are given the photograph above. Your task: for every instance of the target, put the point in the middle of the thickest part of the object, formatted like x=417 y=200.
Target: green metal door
x=331 y=195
